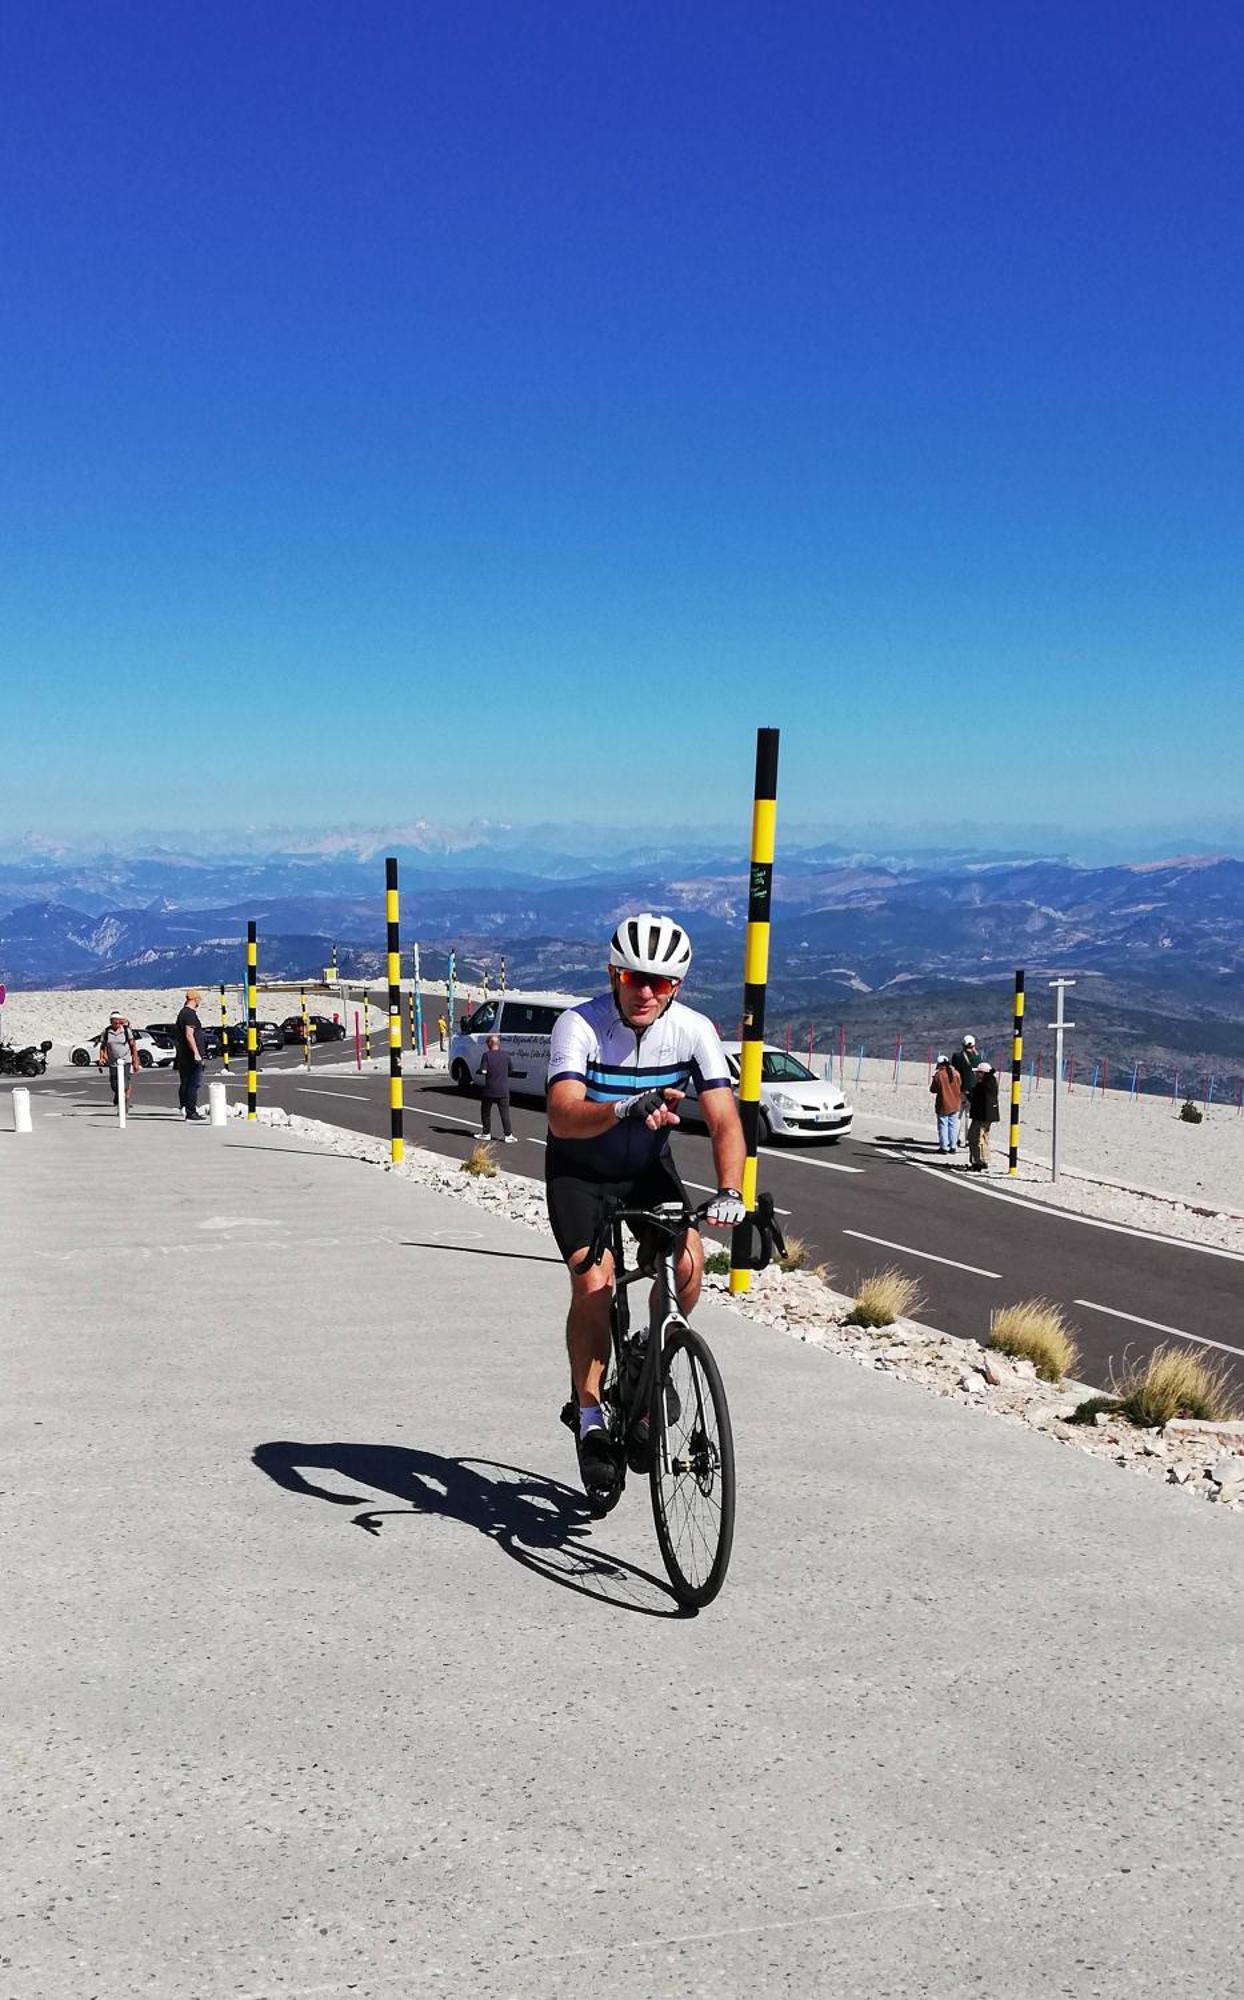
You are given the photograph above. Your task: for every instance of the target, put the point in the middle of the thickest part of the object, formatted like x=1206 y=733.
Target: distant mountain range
x=855 y=936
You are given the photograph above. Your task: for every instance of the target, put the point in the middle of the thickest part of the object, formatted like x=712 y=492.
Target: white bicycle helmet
x=647 y=943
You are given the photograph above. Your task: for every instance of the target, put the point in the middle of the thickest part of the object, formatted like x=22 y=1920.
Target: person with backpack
x=983 y=1103
x=965 y=1059
x=116 y=1047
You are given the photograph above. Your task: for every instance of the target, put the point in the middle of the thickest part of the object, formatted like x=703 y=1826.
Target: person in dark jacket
x=983 y=1104
x=965 y=1059
x=494 y=1076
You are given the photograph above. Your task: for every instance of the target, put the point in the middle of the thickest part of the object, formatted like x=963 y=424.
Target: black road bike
x=664 y=1400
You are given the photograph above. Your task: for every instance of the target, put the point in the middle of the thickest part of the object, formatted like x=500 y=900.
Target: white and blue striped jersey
x=593 y=1044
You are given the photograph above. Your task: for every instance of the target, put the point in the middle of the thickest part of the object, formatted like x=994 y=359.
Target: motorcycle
x=31 y=1061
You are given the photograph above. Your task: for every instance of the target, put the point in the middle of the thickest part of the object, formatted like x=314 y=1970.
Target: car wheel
x=461 y=1076
x=80 y=1059
x=764 y=1131
x=144 y=1059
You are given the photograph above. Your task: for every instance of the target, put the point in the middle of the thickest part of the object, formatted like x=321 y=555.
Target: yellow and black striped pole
x=367 y=1021
x=503 y=973
x=397 y=1145
x=1017 y=1070
x=755 y=980
x=224 y=1027
x=252 y=1029
x=306 y=1028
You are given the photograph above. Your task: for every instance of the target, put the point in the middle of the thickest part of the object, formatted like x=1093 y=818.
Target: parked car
x=322 y=1029
x=152 y=1054
x=794 y=1103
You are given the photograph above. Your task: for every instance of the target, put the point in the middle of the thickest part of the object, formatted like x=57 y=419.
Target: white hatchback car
x=794 y=1103
x=153 y=1053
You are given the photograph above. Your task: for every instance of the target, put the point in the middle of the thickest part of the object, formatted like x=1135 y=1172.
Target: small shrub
x=717 y=1262
x=1087 y=1412
x=1034 y=1330
x=884 y=1297
x=480 y=1160
x=1173 y=1382
x=1191 y=1114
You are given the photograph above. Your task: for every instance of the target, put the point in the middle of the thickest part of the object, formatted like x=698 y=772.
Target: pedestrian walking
x=189 y=1056
x=983 y=1104
x=117 y=1046
x=494 y=1077
x=965 y=1059
x=442 y=1028
x=947 y=1092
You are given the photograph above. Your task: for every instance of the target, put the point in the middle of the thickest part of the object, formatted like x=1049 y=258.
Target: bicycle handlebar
x=763 y=1219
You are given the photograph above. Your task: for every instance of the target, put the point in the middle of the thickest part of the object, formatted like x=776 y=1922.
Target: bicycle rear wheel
x=692 y=1471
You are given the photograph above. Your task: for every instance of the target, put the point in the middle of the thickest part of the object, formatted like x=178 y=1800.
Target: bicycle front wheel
x=692 y=1471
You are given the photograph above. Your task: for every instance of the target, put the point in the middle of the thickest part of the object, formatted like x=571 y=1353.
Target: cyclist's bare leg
x=587 y=1325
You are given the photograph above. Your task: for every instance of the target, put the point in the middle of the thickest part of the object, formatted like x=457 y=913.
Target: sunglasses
x=657 y=982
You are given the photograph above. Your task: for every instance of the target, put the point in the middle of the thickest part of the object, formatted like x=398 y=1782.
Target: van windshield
x=481 y=1020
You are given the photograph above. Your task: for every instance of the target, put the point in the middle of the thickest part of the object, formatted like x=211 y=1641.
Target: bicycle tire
x=691 y=1477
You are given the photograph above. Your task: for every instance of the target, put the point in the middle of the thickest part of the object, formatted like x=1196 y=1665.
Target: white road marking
x=472 y=1124
x=928 y=1255
x=318 y=1090
x=1156 y=1326
x=1071 y=1215
x=802 y=1160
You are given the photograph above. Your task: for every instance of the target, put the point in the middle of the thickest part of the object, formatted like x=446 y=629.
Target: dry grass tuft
x=480 y=1160
x=1174 y=1382
x=884 y=1297
x=795 y=1256
x=1034 y=1330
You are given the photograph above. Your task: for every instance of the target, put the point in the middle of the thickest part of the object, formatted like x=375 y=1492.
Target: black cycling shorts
x=576 y=1203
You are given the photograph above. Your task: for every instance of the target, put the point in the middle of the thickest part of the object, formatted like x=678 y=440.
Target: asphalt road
x=859 y=1205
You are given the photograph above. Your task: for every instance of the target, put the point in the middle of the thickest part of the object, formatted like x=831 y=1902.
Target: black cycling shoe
x=599 y=1469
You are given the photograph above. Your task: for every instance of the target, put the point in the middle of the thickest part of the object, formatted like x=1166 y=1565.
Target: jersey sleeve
x=709 y=1067
x=570 y=1046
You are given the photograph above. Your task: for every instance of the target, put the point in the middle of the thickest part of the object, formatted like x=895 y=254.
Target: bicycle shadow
x=539 y=1523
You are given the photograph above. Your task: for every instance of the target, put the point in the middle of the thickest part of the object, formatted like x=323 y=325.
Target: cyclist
x=617 y=1067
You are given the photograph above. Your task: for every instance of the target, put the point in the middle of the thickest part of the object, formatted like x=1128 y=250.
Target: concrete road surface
x=318 y=1681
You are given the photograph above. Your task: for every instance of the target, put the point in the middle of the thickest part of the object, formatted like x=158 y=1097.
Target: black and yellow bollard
x=397 y=1145
x=367 y=1022
x=306 y=1028
x=755 y=980
x=503 y=974
x=1017 y=1070
x=252 y=1026
x=224 y=1027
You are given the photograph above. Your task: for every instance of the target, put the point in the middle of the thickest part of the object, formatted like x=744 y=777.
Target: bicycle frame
x=663 y=1312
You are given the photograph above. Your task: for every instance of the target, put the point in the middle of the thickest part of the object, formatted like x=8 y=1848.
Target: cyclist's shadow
x=539 y=1522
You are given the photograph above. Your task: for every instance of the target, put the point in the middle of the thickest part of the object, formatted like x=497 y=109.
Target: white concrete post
x=122 y=1066
x=21 y=1110
x=216 y=1104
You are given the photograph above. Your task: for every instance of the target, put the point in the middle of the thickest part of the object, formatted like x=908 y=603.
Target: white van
x=524 y=1021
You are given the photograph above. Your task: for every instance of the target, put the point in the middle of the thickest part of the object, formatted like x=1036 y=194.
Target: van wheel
x=461 y=1075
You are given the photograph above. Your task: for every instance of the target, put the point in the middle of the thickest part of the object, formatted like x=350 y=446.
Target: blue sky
x=416 y=409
